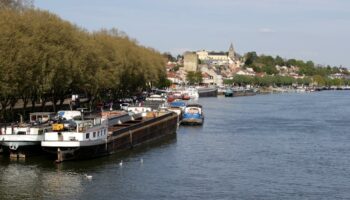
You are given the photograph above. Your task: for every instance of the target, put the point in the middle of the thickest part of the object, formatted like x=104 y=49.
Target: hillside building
x=220 y=58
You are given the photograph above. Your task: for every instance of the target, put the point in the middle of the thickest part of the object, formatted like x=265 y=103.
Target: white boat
x=155 y=102
x=156 y=97
x=124 y=106
x=193 y=93
x=24 y=138
x=68 y=136
x=106 y=134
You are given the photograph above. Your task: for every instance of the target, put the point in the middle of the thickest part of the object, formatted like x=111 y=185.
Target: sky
x=317 y=30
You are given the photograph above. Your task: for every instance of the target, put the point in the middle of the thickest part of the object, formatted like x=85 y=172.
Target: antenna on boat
x=82 y=112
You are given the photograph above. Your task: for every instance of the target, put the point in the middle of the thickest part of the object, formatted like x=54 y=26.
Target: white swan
x=89 y=177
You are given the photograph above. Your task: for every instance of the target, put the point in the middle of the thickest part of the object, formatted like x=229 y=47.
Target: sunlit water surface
x=281 y=146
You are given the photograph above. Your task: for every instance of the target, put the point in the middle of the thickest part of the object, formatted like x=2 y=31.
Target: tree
x=169 y=57
x=16 y=4
x=194 y=77
x=266 y=60
x=250 y=58
x=291 y=62
x=319 y=80
x=43 y=57
x=279 y=61
x=269 y=69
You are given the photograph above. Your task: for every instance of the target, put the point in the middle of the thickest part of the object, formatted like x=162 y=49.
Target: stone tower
x=231 y=52
x=190 y=61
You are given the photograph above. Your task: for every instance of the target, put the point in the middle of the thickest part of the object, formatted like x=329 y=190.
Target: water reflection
x=23 y=181
x=40 y=178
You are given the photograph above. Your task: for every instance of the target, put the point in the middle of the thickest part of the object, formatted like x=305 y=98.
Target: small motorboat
x=193 y=115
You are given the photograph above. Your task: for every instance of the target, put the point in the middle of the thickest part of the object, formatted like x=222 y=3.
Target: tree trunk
x=54 y=103
x=4 y=105
x=13 y=102
x=62 y=98
x=24 y=108
x=33 y=100
x=43 y=103
x=33 y=104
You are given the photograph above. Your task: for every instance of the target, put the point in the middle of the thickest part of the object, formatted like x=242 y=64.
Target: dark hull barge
x=124 y=132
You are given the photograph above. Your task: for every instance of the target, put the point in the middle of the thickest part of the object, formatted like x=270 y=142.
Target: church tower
x=231 y=52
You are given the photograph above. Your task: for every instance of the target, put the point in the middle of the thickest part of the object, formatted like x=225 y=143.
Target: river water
x=279 y=146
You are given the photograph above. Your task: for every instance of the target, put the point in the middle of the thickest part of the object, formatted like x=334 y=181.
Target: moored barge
x=94 y=137
x=24 y=138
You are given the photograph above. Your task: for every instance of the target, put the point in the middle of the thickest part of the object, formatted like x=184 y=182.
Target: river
x=278 y=146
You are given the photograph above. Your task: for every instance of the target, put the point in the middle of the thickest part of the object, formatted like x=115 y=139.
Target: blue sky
x=317 y=30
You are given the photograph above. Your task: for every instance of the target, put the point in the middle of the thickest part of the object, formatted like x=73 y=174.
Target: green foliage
x=176 y=68
x=256 y=69
x=16 y=4
x=266 y=60
x=242 y=80
x=319 y=80
x=43 y=57
x=280 y=81
x=168 y=57
x=269 y=69
x=279 y=61
x=164 y=83
x=250 y=58
x=264 y=63
x=194 y=77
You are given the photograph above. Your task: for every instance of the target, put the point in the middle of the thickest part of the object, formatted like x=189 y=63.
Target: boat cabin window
x=21 y=133
x=40 y=132
x=33 y=118
x=83 y=126
x=41 y=118
x=45 y=118
x=97 y=121
x=87 y=135
x=94 y=135
x=193 y=110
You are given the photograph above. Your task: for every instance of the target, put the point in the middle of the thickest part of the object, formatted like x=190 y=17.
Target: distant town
x=228 y=67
